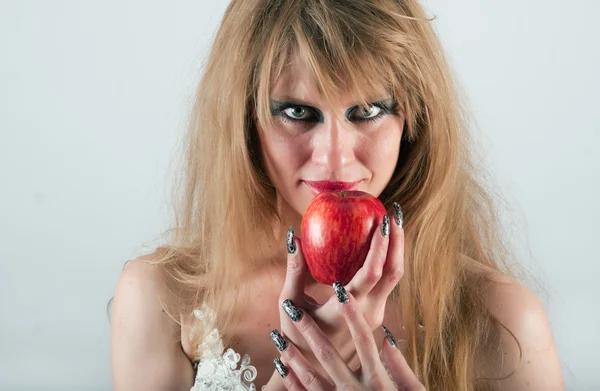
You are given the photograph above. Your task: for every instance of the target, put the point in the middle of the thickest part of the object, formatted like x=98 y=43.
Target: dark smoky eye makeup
x=313 y=115
x=279 y=108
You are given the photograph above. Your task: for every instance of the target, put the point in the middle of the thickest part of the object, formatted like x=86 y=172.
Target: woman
x=301 y=96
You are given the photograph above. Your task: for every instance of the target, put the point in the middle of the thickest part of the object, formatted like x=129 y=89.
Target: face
x=310 y=150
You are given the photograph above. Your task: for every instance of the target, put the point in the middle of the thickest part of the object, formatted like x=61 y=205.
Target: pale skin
x=149 y=351
x=331 y=367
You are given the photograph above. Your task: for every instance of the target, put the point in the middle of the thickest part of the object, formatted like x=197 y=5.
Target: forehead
x=296 y=81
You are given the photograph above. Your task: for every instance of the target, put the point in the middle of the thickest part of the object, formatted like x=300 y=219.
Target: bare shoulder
x=527 y=358
x=146 y=352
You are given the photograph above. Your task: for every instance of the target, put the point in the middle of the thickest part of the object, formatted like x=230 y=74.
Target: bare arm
x=523 y=314
x=146 y=352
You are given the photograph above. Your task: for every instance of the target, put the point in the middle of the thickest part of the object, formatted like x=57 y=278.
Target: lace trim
x=218 y=370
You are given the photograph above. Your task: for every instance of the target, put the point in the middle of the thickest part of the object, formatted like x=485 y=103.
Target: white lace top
x=218 y=370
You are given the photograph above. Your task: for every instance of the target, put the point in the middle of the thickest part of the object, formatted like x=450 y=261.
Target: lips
x=320 y=186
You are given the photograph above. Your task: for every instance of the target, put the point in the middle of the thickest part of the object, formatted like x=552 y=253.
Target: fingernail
x=291 y=245
x=340 y=292
x=283 y=372
x=278 y=340
x=399 y=216
x=293 y=312
x=385 y=227
x=390 y=337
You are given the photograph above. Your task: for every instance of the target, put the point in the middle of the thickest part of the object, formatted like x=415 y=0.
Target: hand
x=371 y=286
x=299 y=374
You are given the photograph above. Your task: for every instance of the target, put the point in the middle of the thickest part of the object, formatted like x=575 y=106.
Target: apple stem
x=343 y=193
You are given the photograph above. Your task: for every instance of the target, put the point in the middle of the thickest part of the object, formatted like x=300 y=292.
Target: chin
x=305 y=196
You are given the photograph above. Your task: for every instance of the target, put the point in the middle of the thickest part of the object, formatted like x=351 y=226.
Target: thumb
x=295 y=276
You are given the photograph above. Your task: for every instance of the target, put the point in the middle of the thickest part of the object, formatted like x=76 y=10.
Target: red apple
x=336 y=232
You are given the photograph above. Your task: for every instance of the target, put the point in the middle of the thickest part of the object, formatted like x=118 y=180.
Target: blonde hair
x=225 y=207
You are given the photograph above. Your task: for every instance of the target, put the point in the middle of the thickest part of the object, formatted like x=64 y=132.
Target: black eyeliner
x=387 y=106
x=278 y=107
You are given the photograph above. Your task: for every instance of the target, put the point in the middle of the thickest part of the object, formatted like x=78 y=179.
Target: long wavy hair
x=225 y=206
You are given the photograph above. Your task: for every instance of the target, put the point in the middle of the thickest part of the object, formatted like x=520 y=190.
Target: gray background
x=93 y=97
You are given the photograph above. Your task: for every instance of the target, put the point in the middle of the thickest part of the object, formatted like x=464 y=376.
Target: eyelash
x=384 y=110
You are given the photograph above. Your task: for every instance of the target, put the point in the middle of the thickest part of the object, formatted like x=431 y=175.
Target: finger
x=303 y=370
x=310 y=302
x=293 y=286
x=370 y=273
x=396 y=364
x=360 y=331
x=289 y=379
x=320 y=345
x=393 y=269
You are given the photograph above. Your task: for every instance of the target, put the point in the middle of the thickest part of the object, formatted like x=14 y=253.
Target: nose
x=333 y=145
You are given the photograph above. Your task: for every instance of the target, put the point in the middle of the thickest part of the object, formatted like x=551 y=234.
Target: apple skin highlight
x=336 y=232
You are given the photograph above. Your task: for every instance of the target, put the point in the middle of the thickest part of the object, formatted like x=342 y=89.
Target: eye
x=304 y=115
x=295 y=113
x=368 y=113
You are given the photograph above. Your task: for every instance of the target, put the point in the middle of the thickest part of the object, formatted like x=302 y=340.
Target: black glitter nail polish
x=278 y=340
x=293 y=312
x=390 y=337
x=283 y=372
x=340 y=292
x=385 y=227
x=399 y=216
x=291 y=245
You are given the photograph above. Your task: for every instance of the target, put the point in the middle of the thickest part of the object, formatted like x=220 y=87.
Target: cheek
x=381 y=153
x=282 y=157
